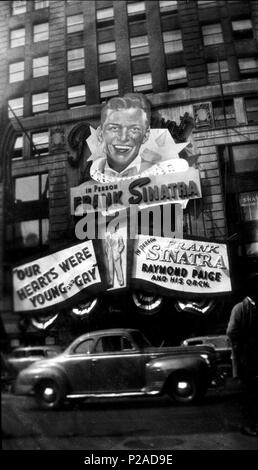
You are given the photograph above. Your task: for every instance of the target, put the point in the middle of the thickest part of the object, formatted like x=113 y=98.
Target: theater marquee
x=181 y=266
x=142 y=192
x=56 y=278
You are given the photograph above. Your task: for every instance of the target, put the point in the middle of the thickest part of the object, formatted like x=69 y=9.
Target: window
x=40 y=32
x=134 y=8
x=19 y=354
x=248 y=67
x=126 y=344
x=108 y=88
x=251 y=106
x=36 y=352
x=113 y=344
x=84 y=347
x=242 y=29
x=17 y=106
x=245 y=158
x=74 y=23
x=176 y=76
x=107 y=51
x=18 y=7
x=31 y=224
x=31 y=188
x=40 y=66
x=40 y=145
x=41 y=4
x=51 y=352
x=139 y=45
x=17 y=37
x=40 y=102
x=240 y=186
x=218 y=112
x=213 y=71
x=109 y=344
x=249 y=205
x=17 y=149
x=105 y=14
x=142 y=82
x=31 y=233
x=140 y=339
x=75 y=59
x=16 y=72
x=172 y=41
x=166 y=5
x=212 y=34
x=245 y=162
x=76 y=96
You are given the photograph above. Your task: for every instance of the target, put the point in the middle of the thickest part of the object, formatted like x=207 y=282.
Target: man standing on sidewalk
x=243 y=333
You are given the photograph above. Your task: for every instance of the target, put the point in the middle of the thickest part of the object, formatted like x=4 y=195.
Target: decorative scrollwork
x=199 y=307
x=42 y=322
x=181 y=132
x=82 y=310
x=147 y=303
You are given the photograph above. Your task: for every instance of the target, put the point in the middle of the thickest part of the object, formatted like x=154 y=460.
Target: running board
x=111 y=395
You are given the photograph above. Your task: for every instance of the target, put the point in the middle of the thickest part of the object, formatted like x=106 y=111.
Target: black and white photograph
x=129 y=231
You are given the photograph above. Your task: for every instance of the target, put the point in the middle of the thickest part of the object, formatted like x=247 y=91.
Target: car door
x=78 y=367
x=117 y=366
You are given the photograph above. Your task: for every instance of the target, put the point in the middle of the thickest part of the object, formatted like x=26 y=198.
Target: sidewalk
x=212 y=441
x=229 y=438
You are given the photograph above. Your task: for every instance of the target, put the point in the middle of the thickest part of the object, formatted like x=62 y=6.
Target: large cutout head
x=125 y=126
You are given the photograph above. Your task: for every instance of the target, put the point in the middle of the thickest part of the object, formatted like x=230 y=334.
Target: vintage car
x=115 y=363
x=222 y=347
x=23 y=357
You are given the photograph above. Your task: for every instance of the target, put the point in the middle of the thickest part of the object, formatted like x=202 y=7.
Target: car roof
x=205 y=337
x=35 y=348
x=108 y=332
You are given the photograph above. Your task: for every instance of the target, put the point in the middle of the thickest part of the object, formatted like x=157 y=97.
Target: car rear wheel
x=183 y=388
x=49 y=394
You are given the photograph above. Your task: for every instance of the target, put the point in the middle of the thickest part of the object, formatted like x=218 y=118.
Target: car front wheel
x=183 y=388
x=49 y=394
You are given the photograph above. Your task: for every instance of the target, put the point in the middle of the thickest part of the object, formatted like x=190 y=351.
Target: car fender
x=159 y=370
x=56 y=373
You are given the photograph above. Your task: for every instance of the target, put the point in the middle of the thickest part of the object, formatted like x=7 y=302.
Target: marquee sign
x=56 y=278
x=142 y=192
x=181 y=266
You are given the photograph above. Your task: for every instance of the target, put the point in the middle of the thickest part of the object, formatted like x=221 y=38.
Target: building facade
x=60 y=60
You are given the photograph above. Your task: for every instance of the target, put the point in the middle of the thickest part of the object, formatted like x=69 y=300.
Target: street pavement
x=150 y=424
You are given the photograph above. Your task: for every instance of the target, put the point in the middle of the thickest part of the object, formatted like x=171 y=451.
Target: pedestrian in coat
x=243 y=334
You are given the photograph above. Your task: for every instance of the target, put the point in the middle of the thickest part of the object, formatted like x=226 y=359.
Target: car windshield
x=216 y=341
x=18 y=354
x=52 y=353
x=140 y=339
x=36 y=352
x=195 y=342
x=219 y=342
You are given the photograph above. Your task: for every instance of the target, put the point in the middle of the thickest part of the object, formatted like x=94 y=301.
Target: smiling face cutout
x=123 y=132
